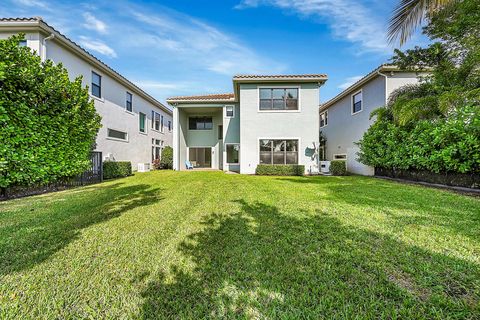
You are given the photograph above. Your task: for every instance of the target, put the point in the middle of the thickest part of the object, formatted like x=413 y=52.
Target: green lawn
x=206 y=244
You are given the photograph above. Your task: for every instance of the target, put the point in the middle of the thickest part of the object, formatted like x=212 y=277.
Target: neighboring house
x=267 y=120
x=135 y=126
x=345 y=118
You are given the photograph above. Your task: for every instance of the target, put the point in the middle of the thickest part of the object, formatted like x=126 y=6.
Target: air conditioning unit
x=143 y=167
x=324 y=166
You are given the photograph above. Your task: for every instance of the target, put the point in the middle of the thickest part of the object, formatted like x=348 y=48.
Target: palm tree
x=408 y=15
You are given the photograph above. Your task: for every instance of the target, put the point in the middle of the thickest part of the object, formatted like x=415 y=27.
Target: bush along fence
x=280 y=170
x=116 y=169
x=94 y=174
x=453 y=179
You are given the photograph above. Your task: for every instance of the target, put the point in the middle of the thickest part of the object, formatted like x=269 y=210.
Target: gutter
x=44 y=48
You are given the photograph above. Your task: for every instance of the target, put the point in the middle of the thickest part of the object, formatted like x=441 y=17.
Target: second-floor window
x=142 y=119
x=156 y=120
x=229 y=113
x=278 y=98
x=161 y=123
x=96 y=85
x=200 y=123
x=323 y=119
x=357 y=102
x=169 y=125
x=129 y=101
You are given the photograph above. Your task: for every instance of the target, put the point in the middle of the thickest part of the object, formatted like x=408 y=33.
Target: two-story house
x=268 y=119
x=345 y=118
x=135 y=126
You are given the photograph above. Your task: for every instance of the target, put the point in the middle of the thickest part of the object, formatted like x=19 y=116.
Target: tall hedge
x=445 y=145
x=48 y=124
x=166 y=162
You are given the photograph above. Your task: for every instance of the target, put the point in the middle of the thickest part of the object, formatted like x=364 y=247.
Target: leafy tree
x=48 y=123
x=435 y=124
x=166 y=161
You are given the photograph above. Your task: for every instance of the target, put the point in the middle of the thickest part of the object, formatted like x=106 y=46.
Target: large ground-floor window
x=278 y=151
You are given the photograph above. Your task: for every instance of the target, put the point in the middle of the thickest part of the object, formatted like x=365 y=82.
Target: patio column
x=176 y=130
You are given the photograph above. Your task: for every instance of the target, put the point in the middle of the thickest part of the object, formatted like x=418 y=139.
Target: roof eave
x=270 y=80
x=358 y=84
x=173 y=102
x=44 y=27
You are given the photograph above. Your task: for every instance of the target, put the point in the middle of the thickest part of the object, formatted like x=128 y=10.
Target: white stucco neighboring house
x=268 y=119
x=135 y=126
x=345 y=118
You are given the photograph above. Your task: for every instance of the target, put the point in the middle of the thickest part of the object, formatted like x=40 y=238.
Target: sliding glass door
x=200 y=157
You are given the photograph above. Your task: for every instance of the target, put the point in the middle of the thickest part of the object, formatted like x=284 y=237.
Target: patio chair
x=188 y=165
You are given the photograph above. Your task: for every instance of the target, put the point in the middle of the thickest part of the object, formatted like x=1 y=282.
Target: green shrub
x=338 y=167
x=444 y=145
x=166 y=162
x=48 y=124
x=116 y=169
x=280 y=170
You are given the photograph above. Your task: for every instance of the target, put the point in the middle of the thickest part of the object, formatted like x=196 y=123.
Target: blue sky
x=179 y=47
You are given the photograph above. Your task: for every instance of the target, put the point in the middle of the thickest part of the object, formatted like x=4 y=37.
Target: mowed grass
x=209 y=245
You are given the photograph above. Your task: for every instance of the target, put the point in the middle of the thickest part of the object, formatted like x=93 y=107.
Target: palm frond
x=408 y=15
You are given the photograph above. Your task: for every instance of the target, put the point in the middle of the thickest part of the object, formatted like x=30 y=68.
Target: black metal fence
x=449 y=178
x=93 y=175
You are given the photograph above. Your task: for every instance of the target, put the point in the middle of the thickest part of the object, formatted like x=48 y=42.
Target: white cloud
x=247 y=4
x=348 y=19
x=92 y=23
x=198 y=43
x=97 y=46
x=33 y=3
x=349 y=81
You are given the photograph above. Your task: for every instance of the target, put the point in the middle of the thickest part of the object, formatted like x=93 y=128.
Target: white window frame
x=340 y=154
x=226 y=156
x=351 y=102
x=117 y=139
x=325 y=114
x=126 y=102
x=201 y=116
x=298 y=87
x=101 y=98
x=145 y=123
x=154 y=113
x=281 y=138
x=233 y=111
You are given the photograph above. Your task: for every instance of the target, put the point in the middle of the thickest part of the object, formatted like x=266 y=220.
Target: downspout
x=386 y=85
x=44 y=43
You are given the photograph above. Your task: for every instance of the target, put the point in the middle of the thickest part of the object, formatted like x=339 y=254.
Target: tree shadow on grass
x=433 y=207
x=263 y=263
x=32 y=238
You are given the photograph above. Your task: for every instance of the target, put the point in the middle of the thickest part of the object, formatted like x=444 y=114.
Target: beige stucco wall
x=344 y=129
x=111 y=107
x=255 y=125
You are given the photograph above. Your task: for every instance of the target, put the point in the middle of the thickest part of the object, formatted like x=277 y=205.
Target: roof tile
x=217 y=96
